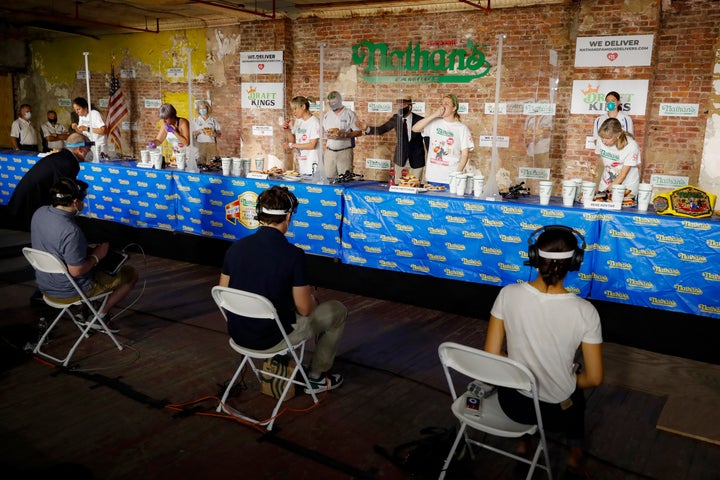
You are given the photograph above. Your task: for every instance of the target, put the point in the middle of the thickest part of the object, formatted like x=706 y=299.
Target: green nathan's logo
x=413 y=58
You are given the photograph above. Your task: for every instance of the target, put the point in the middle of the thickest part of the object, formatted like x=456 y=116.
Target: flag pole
x=96 y=158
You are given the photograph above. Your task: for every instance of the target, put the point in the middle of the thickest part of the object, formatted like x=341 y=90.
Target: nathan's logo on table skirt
x=243 y=210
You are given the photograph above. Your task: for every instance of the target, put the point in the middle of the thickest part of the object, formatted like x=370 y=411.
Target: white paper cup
x=180 y=161
x=245 y=166
x=478 y=185
x=226 y=166
x=156 y=158
x=644 y=195
x=568 y=192
x=618 y=195
x=236 y=167
x=453 y=182
x=462 y=180
x=588 y=192
x=545 y=191
x=578 y=188
x=145 y=156
x=260 y=164
x=469 y=184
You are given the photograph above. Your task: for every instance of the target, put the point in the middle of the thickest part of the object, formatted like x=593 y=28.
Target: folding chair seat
x=49 y=263
x=255 y=306
x=494 y=370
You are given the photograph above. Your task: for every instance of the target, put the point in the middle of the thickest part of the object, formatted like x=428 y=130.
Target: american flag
x=117 y=109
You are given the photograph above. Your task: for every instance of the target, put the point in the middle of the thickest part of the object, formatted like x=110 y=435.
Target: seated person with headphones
x=545 y=325
x=266 y=264
x=53 y=229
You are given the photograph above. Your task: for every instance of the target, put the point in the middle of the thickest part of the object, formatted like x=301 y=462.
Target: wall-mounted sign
x=261 y=63
x=377 y=163
x=534 y=173
x=669 y=181
x=262 y=130
x=490 y=108
x=128 y=126
x=679 y=109
x=380 y=107
x=500 y=141
x=80 y=75
x=103 y=103
x=615 y=51
x=539 y=109
x=64 y=102
x=176 y=72
x=127 y=73
x=152 y=103
x=588 y=96
x=415 y=64
x=263 y=95
x=463 y=108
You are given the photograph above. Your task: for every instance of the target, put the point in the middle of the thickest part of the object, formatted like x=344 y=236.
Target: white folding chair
x=255 y=306
x=49 y=263
x=495 y=370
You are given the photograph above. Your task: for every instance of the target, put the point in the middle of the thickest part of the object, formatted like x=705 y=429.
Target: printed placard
x=261 y=63
x=539 y=108
x=127 y=73
x=64 y=102
x=679 y=109
x=262 y=130
x=534 y=173
x=152 y=103
x=128 y=126
x=263 y=95
x=380 y=107
x=614 y=51
x=80 y=75
x=669 y=181
x=176 y=72
x=490 y=108
x=103 y=102
x=378 y=163
x=588 y=96
x=500 y=141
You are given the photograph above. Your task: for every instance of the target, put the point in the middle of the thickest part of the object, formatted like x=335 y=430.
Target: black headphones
x=577 y=255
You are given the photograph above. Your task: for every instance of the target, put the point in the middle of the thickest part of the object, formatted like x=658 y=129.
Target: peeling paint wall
x=710 y=165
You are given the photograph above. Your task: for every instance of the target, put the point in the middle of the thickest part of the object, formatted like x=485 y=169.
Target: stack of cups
x=453 y=181
x=618 y=195
x=545 y=191
x=145 y=156
x=236 y=167
x=568 y=192
x=578 y=188
x=478 y=185
x=469 y=185
x=644 y=195
x=461 y=183
x=180 y=160
x=245 y=162
x=226 y=166
x=260 y=164
x=588 y=193
x=156 y=158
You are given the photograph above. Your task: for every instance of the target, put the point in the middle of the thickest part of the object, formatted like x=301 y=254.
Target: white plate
x=291 y=178
x=144 y=165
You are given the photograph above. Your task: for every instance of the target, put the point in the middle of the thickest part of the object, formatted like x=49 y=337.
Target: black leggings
x=571 y=420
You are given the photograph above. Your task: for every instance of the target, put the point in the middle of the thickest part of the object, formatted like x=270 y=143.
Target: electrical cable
x=144 y=285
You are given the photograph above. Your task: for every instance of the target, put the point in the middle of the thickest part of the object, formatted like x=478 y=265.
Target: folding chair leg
x=230 y=385
x=446 y=465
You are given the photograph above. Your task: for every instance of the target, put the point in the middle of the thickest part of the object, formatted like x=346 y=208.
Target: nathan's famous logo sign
x=383 y=65
x=242 y=210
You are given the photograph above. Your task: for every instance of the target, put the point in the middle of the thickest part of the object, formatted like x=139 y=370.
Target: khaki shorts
x=101 y=284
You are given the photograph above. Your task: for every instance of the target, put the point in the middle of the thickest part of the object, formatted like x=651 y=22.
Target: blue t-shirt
x=55 y=231
x=267 y=264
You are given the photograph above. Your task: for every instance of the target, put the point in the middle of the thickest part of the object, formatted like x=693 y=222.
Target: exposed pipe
x=469 y=2
x=55 y=16
x=237 y=8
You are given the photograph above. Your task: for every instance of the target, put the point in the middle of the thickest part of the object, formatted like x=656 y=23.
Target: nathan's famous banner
x=588 y=96
x=452 y=237
x=13 y=166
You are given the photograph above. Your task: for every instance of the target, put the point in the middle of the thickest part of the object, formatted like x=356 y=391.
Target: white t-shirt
x=24 y=131
x=626 y=123
x=304 y=131
x=447 y=141
x=543 y=333
x=345 y=121
x=614 y=160
x=201 y=124
x=94 y=120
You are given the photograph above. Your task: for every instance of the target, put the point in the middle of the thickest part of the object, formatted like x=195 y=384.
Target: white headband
x=556 y=255
x=270 y=211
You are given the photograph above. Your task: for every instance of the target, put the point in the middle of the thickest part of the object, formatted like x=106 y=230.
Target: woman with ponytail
x=545 y=324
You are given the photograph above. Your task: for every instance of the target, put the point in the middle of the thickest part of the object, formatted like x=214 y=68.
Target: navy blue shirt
x=267 y=264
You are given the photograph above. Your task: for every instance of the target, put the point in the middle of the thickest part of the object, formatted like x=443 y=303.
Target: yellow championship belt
x=685 y=202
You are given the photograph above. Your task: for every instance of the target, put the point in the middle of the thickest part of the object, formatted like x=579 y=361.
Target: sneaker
x=325 y=383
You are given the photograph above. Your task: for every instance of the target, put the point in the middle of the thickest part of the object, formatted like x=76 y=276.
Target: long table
x=637 y=258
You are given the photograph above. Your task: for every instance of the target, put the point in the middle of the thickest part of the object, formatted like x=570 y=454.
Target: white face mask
x=27 y=115
x=203 y=111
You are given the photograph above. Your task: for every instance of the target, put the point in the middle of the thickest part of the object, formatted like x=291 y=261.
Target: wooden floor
x=147 y=412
